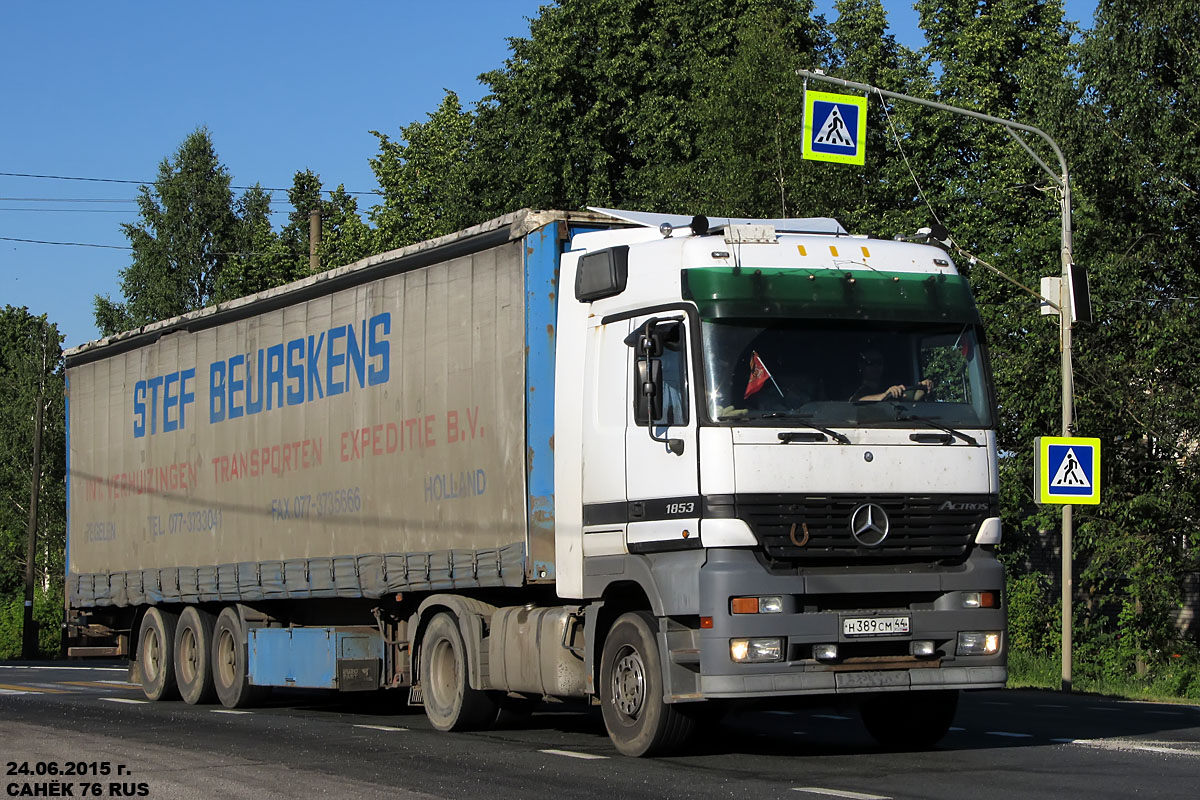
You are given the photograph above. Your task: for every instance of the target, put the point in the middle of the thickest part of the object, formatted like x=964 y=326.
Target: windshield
x=844 y=372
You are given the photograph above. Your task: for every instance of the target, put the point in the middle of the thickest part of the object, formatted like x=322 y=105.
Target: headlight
x=978 y=643
x=751 y=651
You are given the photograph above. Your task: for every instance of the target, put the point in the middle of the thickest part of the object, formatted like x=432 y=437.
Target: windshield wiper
x=805 y=420
x=934 y=424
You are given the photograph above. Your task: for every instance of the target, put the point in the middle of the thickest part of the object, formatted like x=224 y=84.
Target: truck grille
x=921 y=528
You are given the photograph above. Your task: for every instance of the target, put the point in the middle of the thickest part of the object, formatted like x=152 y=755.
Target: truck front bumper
x=816 y=604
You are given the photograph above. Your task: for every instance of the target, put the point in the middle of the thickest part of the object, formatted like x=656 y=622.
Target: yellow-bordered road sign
x=835 y=127
x=1067 y=470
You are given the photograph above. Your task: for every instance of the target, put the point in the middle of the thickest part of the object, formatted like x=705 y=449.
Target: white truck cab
x=783 y=437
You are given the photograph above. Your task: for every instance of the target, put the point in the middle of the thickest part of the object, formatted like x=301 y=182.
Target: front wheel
x=911 y=720
x=639 y=720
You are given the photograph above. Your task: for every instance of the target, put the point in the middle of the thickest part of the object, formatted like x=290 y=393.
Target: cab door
x=605 y=395
x=661 y=451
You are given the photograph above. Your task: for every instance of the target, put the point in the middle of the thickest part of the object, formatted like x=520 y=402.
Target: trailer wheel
x=193 y=656
x=910 y=720
x=156 y=640
x=231 y=674
x=639 y=721
x=450 y=702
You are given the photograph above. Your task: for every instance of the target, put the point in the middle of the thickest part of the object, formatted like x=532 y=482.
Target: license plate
x=875 y=626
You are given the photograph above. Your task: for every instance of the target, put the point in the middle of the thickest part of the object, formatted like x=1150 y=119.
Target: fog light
x=825 y=652
x=981 y=643
x=751 y=651
x=922 y=649
x=979 y=600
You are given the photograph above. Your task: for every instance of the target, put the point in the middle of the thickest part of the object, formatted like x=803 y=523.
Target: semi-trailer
x=654 y=462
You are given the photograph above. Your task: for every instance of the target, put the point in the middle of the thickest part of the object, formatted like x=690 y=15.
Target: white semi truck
x=660 y=463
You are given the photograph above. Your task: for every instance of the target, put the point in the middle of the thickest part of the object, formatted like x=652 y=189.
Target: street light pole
x=1063 y=303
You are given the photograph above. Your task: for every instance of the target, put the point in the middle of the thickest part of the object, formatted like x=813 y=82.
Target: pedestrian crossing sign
x=835 y=128
x=1067 y=470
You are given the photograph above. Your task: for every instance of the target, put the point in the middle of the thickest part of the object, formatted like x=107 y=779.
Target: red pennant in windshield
x=759 y=375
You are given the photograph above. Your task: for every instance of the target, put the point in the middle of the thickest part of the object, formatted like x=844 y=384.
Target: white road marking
x=572 y=754
x=380 y=728
x=829 y=716
x=1049 y=705
x=960 y=730
x=229 y=711
x=1138 y=746
x=16 y=691
x=1011 y=735
x=839 y=793
x=779 y=713
x=1167 y=713
x=123 y=700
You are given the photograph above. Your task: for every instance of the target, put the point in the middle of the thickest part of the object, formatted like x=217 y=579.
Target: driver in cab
x=873 y=386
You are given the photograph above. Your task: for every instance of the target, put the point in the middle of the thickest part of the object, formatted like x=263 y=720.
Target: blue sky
x=107 y=90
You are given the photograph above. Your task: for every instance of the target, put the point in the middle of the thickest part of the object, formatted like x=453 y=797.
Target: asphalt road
x=311 y=744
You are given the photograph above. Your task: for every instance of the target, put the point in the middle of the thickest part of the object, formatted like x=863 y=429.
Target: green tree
x=305 y=197
x=182 y=243
x=1007 y=58
x=30 y=364
x=427 y=178
x=261 y=259
x=1135 y=143
x=345 y=238
x=614 y=102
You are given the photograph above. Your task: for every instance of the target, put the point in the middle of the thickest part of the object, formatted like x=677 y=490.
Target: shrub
x=47 y=613
x=1033 y=615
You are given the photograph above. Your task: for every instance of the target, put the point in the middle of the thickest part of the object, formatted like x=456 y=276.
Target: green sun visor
x=733 y=292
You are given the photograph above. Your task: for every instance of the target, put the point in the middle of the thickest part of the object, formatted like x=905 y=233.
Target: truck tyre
x=156 y=640
x=193 y=656
x=639 y=721
x=450 y=702
x=910 y=720
x=231 y=674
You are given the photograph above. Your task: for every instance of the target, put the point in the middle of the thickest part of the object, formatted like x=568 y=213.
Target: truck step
x=415 y=696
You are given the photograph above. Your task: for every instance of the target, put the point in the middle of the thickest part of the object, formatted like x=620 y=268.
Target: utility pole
x=314 y=240
x=1064 y=303
x=29 y=637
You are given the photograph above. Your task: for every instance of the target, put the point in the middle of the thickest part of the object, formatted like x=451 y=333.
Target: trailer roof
x=471 y=240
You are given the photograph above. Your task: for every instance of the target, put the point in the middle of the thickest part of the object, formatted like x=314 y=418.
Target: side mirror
x=649 y=342
x=649 y=389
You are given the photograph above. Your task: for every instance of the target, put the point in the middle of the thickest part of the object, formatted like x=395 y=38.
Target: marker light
x=981 y=643
x=751 y=651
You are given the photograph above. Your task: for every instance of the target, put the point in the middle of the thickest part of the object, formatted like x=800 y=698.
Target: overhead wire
x=148 y=183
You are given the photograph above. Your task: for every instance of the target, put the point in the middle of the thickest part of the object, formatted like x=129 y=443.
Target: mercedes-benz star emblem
x=869 y=525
